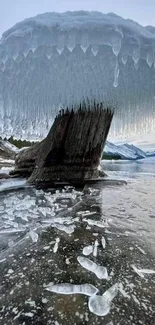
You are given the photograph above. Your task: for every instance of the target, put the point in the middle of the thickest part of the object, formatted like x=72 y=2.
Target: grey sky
x=13 y=11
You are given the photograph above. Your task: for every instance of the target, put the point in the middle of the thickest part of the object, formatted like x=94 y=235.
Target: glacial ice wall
x=56 y=60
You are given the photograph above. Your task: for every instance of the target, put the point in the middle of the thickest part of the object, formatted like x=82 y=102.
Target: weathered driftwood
x=25 y=161
x=6 y=151
x=71 y=151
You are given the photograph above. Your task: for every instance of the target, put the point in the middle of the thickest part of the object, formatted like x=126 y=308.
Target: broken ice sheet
x=68 y=289
x=100 y=305
x=98 y=270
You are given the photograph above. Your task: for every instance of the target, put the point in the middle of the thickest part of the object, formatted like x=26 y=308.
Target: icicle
x=94 y=49
x=116 y=74
x=136 y=55
x=116 y=45
x=124 y=58
x=150 y=59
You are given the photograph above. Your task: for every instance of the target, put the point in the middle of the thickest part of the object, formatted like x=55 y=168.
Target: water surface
x=43 y=233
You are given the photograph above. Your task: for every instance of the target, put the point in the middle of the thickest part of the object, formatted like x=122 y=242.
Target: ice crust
x=101 y=56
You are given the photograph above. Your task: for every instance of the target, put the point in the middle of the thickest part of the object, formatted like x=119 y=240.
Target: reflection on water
x=43 y=234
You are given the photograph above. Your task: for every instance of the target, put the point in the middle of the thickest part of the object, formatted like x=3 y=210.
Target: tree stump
x=72 y=150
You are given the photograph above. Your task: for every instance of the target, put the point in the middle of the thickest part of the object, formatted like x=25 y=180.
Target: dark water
x=65 y=222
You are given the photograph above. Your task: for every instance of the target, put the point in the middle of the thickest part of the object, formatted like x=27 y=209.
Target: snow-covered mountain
x=125 y=151
x=59 y=59
x=111 y=150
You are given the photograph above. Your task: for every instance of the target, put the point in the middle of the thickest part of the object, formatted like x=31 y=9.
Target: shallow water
x=42 y=235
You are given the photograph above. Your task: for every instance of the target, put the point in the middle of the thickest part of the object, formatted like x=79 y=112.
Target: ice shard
x=100 y=305
x=69 y=289
x=55 y=60
x=98 y=270
x=87 y=250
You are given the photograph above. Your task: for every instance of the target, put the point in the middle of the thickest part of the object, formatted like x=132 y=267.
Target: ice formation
x=58 y=59
x=103 y=242
x=141 y=272
x=99 y=271
x=100 y=305
x=97 y=223
x=34 y=236
x=95 y=248
x=68 y=289
x=55 y=248
x=87 y=250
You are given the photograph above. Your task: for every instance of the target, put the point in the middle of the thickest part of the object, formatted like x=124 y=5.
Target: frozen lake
x=58 y=249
